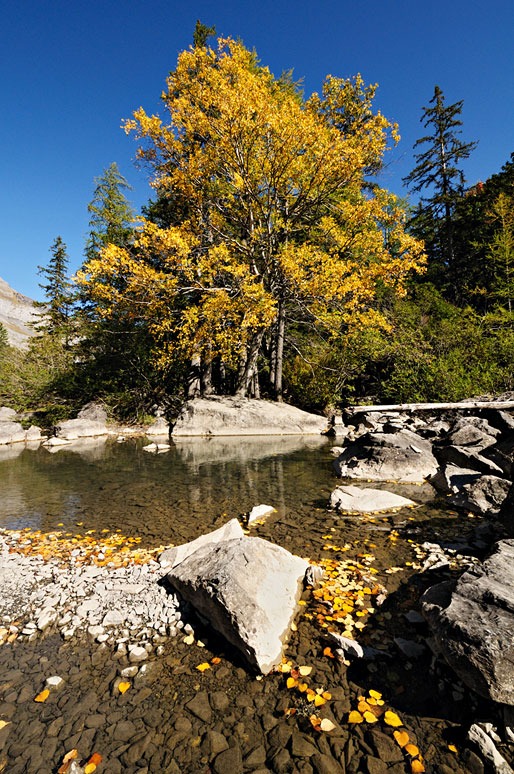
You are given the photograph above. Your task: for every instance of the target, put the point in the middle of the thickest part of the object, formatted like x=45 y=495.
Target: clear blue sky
x=71 y=71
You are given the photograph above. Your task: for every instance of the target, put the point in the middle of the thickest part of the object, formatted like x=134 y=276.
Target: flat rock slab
x=248 y=589
x=354 y=499
x=171 y=557
x=403 y=457
x=230 y=415
x=473 y=624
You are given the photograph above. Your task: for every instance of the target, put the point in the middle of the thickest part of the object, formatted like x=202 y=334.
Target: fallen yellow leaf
x=375 y=694
x=291 y=682
x=203 y=667
x=355 y=717
x=417 y=767
x=90 y=768
x=3 y=724
x=122 y=687
x=189 y=639
x=305 y=670
x=369 y=717
x=43 y=696
x=452 y=748
x=401 y=737
x=319 y=700
x=392 y=719
x=412 y=750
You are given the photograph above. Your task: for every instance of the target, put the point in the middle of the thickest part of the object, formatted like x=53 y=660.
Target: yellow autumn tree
x=277 y=216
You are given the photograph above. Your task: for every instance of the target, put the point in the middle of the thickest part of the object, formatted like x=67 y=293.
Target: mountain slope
x=16 y=314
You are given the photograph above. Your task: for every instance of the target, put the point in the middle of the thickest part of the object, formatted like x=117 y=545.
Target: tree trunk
x=279 y=354
x=206 y=378
x=272 y=361
x=194 y=385
x=256 y=390
x=246 y=375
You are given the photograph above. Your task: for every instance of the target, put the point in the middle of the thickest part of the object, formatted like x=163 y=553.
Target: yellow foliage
x=277 y=210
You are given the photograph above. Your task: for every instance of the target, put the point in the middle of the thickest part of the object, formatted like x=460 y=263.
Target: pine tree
x=437 y=171
x=55 y=317
x=4 y=340
x=201 y=34
x=111 y=213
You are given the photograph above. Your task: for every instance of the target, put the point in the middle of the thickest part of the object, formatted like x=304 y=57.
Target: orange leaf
x=291 y=682
x=203 y=667
x=215 y=660
x=412 y=750
x=302 y=687
x=328 y=652
x=96 y=758
x=355 y=717
x=363 y=706
x=122 y=687
x=401 y=737
x=375 y=694
x=392 y=719
x=417 y=767
x=43 y=696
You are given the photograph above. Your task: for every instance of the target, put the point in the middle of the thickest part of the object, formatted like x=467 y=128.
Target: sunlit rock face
x=16 y=314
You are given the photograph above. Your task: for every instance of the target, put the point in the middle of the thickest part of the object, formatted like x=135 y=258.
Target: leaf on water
x=452 y=748
x=417 y=767
x=319 y=701
x=215 y=660
x=375 y=694
x=291 y=682
x=401 y=737
x=305 y=670
x=43 y=696
x=392 y=719
x=369 y=717
x=412 y=750
x=328 y=652
x=122 y=687
x=355 y=717
x=327 y=725
x=203 y=667
x=3 y=724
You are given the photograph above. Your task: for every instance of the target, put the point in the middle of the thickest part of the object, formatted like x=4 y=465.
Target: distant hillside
x=16 y=312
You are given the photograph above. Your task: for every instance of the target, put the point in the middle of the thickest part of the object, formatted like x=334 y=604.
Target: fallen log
x=465 y=406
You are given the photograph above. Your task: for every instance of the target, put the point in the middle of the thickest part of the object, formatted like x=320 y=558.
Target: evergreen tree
x=4 y=341
x=437 y=172
x=111 y=213
x=55 y=317
x=201 y=34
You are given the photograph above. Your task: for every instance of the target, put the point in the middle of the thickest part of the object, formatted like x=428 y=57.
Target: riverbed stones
x=247 y=588
x=90 y=422
x=260 y=512
x=472 y=621
x=171 y=557
x=233 y=415
x=403 y=457
x=351 y=499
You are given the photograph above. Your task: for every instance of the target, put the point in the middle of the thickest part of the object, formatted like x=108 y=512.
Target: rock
x=54 y=682
x=247 y=588
x=472 y=620
x=348 y=646
x=137 y=654
x=90 y=421
x=151 y=447
x=470 y=489
x=325 y=764
x=404 y=457
x=488 y=749
x=7 y=414
x=228 y=762
x=11 y=432
x=353 y=498
x=113 y=618
x=46 y=617
x=468 y=458
x=159 y=427
x=173 y=556
x=410 y=648
x=56 y=442
x=232 y=415
x=199 y=706
x=259 y=512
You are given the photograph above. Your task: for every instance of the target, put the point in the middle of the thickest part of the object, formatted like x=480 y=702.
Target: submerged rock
x=248 y=590
x=232 y=415
x=401 y=456
x=260 y=512
x=353 y=498
x=473 y=620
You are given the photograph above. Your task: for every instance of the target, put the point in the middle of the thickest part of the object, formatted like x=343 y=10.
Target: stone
x=228 y=762
x=301 y=746
x=488 y=749
x=200 y=707
x=233 y=415
x=56 y=442
x=11 y=432
x=159 y=427
x=54 y=682
x=468 y=458
x=7 y=414
x=404 y=457
x=409 y=648
x=352 y=499
x=325 y=764
x=472 y=620
x=137 y=654
x=247 y=589
x=90 y=422
x=46 y=617
x=113 y=618
x=259 y=512
x=171 y=557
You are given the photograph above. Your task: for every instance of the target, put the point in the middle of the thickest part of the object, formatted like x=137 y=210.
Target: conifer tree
x=202 y=33
x=55 y=317
x=111 y=213
x=438 y=173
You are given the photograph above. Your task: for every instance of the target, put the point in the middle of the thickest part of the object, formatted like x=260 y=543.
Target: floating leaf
x=328 y=652
x=291 y=682
x=401 y=737
x=372 y=693
x=452 y=748
x=122 y=687
x=96 y=758
x=412 y=750
x=369 y=717
x=89 y=768
x=355 y=717
x=327 y=725
x=417 y=767
x=392 y=719
x=3 y=724
x=319 y=701
x=203 y=667
x=43 y=696
x=305 y=670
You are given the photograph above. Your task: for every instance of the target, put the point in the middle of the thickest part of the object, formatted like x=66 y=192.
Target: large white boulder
x=248 y=590
x=354 y=499
x=173 y=556
x=90 y=422
x=229 y=415
x=159 y=427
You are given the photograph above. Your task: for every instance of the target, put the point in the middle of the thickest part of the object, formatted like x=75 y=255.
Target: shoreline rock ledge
x=232 y=415
x=473 y=623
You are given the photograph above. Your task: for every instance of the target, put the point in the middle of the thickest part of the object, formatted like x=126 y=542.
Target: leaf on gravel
x=96 y=758
x=392 y=719
x=412 y=750
x=66 y=761
x=417 y=767
x=327 y=725
x=122 y=687
x=401 y=737
x=369 y=717
x=328 y=652
x=203 y=667
x=89 y=768
x=43 y=696
x=375 y=694
x=305 y=670
x=355 y=717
